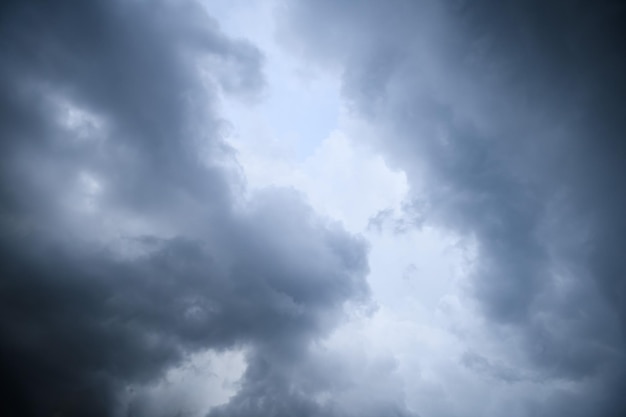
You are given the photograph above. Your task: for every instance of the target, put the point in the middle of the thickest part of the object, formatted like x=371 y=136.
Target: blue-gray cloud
x=125 y=241
x=512 y=114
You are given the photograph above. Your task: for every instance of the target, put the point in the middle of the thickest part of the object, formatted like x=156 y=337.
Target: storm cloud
x=132 y=243
x=508 y=118
x=127 y=243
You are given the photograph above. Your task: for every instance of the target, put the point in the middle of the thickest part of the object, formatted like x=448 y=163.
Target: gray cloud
x=511 y=113
x=319 y=383
x=482 y=365
x=125 y=243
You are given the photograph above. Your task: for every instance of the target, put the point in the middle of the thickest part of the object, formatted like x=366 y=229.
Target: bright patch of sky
x=298 y=135
x=299 y=107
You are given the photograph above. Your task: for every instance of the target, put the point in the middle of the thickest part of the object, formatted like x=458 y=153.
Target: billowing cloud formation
x=125 y=241
x=508 y=118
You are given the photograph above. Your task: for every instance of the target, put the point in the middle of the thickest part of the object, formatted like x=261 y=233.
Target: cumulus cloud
x=508 y=120
x=126 y=243
x=130 y=245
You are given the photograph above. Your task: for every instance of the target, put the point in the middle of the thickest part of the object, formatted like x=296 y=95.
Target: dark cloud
x=512 y=114
x=482 y=365
x=125 y=243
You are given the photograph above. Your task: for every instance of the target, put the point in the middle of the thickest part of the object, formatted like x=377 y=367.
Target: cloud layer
x=130 y=243
x=126 y=242
x=508 y=120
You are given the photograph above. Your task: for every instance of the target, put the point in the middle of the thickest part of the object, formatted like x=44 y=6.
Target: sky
x=313 y=208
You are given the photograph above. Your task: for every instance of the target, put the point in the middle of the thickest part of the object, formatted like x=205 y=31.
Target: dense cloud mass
x=130 y=242
x=508 y=118
x=126 y=243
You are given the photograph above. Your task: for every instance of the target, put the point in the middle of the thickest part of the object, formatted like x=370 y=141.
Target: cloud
x=507 y=119
x=126 y=243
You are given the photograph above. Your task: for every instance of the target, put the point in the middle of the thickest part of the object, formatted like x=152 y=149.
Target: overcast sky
x=312 y=208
